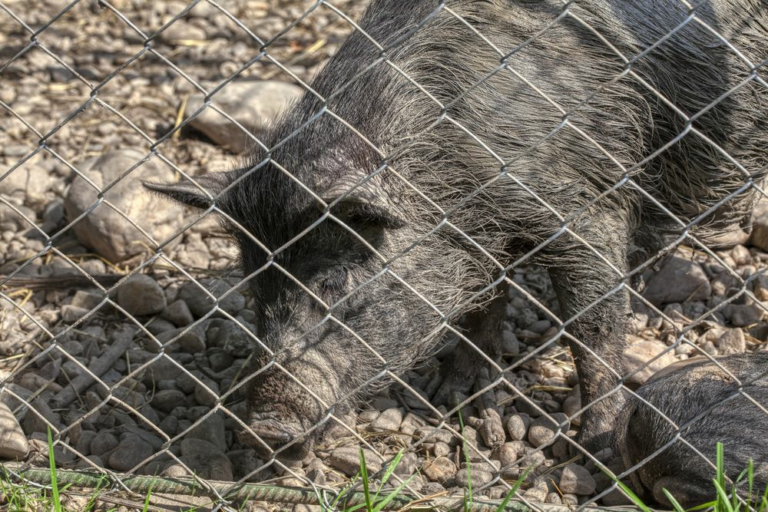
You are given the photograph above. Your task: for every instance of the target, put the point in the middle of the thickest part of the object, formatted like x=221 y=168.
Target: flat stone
x=71 y=314
x=439 y=469
x=571 y=406
x=679 y=280
x=86 y=300
x=211 y=466
x=167 y=399
x=13 y=442
x=140 y=295
x=103 y=443
x=388 y=421
x=178 y=313
x=169 y=425
x=543 y=430
x=508 y=454
x=347 y=460
x=212 y=431
x=252 y=104
x=476 y=476
x=131 y=452
x=517 y=426
x=108 y=232
x=537 y=493
x=181 y=31
x=200 y=303
x=732 y=342
x=188 y=340
x=191 y=447
x=207 y=395
x=638 y=355
x=577 y=480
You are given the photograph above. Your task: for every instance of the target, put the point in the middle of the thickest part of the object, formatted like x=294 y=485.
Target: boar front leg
x=597 y=312
x=483 y=328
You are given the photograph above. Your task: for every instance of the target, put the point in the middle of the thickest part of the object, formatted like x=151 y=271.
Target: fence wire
x=376 y=276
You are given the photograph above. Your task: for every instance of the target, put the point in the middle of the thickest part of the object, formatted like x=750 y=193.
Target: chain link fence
x=376 y=276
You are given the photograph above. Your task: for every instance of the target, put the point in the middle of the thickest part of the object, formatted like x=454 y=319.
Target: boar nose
x=284 y=437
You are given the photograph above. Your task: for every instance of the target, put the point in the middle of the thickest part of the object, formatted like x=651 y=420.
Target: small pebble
x=543 y=430
x=439 y=469
x=517 y=426
x=388 y=421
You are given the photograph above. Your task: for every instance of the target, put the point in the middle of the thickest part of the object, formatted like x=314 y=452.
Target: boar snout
x=283 y=416
x=283 y=437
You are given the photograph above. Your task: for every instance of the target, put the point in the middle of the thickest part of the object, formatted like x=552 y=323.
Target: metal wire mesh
x=299 y=347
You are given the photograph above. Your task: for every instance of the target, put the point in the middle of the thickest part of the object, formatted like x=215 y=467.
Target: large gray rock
x=252 y=104
x=679 y=280
x=106 y=231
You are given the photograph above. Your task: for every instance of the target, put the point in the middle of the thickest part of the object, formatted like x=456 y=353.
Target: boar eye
x=335 y=281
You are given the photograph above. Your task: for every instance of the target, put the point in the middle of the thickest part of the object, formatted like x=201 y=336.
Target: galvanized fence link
x=134 y=332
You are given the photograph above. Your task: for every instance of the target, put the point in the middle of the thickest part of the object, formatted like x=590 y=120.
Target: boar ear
x=363 y=202
x=186 y=192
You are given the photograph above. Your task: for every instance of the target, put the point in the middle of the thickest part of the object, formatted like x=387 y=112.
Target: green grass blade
x=345 y=491
x=751 y=481
x=720 y=478
x=503 y=506
x=54 y=483
x=632 y=496
x=394 y=494
x=364 y=476
x=467 y=504
x=764 y=502
x=703 y=506
x=723 y=503
x=388 y=474
x=95 y=494
x=146 y=500
x=675 y=504
x=624 y=487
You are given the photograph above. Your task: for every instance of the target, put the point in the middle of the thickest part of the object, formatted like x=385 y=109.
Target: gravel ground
x=176 y=393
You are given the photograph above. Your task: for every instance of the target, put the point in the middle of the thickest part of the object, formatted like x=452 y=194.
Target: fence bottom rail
x=143 y=485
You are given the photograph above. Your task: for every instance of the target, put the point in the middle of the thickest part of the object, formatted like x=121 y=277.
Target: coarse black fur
x=546 y=139
x=708 y=405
